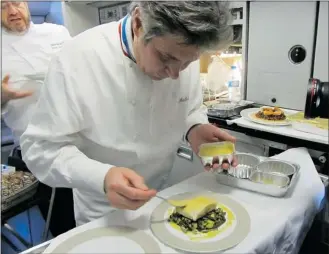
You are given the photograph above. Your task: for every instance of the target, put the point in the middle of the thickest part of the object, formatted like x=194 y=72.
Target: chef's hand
x=7 y=93
x=125 y=189
x=208 y=133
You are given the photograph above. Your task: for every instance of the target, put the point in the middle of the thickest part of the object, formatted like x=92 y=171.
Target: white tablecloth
x=280 y=130
x=278 y=225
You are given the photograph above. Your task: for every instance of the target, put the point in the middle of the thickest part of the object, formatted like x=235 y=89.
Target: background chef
x=118 y=99
x=26 y=50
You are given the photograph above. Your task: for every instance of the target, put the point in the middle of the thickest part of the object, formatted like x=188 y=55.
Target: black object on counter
x=317 y=100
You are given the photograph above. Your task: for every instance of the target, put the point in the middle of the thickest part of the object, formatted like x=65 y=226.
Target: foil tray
x=261 y=181
x=225 y=109
x=16 y=187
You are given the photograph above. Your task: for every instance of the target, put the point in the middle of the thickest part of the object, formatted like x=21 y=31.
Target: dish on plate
x=233 y=226
x=317 y=122
x=250 y=114
x=200 y=215
x=271 y=114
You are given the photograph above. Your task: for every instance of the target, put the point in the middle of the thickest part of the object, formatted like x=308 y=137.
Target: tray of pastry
x=17 y=187
x=270 y=177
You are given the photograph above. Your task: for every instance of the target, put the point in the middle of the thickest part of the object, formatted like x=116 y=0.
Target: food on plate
x=299 y=117
x=200 y=214
x=216 y=149
x=322 y=123
x=268 y=113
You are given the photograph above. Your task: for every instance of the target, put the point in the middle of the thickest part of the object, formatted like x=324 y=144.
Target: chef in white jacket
x=118 y=99
x=26 y=52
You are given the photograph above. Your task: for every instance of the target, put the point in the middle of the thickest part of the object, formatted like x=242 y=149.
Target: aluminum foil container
x=275 y=179
x=246 y=165
x=210 y=159
x=276 y=166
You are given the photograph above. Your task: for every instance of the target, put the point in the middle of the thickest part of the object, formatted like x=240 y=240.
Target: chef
x=117 y=100
x=27 y=49
x=26 y=52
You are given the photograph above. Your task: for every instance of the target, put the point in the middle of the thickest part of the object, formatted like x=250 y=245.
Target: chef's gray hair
x=205 y=24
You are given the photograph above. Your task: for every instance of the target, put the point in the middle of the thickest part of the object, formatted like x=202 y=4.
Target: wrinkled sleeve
x=197 y=111
x=50 y=143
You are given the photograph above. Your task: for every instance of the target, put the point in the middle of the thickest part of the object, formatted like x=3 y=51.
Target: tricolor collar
x=126 y=38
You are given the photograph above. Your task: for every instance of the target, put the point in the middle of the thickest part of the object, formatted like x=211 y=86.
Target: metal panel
x=274 y=28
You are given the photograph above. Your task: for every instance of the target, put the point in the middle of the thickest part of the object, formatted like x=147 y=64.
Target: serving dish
x=216 y=153
x=270 y=177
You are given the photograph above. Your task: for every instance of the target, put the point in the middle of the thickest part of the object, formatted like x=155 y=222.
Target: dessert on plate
x=200 y=214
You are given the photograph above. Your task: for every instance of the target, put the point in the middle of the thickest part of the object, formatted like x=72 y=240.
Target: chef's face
x=163 y=56
x=15 y=16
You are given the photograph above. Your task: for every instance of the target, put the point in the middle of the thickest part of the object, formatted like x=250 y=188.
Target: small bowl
x=276 y=166
x=246 y=165
x=275 y=179
x=208 y=153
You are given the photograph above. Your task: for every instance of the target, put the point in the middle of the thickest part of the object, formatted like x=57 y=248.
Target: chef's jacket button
x=133 y=102
x=130 y=65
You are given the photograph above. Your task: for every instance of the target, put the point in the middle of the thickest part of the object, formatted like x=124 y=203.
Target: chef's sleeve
x=197 y=112
x=4 y=109
x=50 y=143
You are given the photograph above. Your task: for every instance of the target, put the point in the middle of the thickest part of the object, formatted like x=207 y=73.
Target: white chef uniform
x=26 y=58
x=98 y=110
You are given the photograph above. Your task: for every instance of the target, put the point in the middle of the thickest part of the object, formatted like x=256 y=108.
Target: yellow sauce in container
x=216 y=149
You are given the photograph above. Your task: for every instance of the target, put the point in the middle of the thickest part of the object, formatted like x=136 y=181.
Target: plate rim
x=241 y=229
x=134 y=234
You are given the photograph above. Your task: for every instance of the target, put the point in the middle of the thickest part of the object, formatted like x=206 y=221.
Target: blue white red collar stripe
x=125 y=38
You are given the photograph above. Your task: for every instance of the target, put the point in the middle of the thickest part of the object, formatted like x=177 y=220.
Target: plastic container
x=216 y=152
x=218 y=74
x=234 y=84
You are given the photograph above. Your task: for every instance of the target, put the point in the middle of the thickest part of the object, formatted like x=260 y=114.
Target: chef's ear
x=137 y=22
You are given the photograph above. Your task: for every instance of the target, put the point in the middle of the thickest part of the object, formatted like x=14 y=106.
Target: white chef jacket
x=98 y=110
x=26 y=58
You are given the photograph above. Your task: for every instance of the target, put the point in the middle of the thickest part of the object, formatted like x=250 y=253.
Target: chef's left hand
x=208 y=133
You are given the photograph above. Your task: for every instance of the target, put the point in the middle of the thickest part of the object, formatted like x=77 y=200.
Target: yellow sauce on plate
x=230 y=218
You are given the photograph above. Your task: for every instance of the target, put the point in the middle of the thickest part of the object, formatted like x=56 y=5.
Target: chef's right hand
x=125 y=189
x=7 y=93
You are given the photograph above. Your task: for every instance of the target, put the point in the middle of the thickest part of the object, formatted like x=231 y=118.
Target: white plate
x=232 y=232
x=249 y=112
x=107 y=240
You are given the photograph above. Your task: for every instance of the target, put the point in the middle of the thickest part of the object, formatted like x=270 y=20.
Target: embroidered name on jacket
x=57 y=45
x=182 y=99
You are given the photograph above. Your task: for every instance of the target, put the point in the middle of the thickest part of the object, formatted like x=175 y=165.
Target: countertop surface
x=278 y=225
